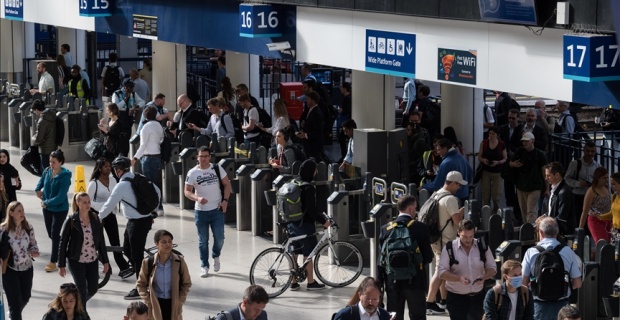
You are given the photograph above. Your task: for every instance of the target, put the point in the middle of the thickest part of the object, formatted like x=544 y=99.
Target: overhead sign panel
x=457 y=65
x=96 y=8
x=390 y=53
x=14 y=9
x=145 y=26
x=508 y=11
x=260 y=20
x=591 y=58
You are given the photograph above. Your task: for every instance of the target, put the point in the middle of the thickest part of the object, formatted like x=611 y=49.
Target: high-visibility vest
x=78 y=88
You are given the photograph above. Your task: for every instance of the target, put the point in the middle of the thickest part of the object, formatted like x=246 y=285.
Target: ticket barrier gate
x=231 y=164
x=170 y=186
x=4 y=112
x=80 y=126
x=262 y=212
x=23 y=118
x=13 y=122
x=596 y=298
x=187 y=160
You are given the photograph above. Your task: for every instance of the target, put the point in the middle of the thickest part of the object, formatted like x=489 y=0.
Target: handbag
x=31 y=161
x=95 y=148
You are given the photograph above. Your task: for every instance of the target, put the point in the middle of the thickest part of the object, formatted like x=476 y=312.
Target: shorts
x=437 y=247
x=306 y=245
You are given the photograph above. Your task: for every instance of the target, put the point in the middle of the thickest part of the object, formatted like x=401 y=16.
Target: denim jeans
x=53 y=225
x=150 y=167
x=205 y=219
x=548 y=309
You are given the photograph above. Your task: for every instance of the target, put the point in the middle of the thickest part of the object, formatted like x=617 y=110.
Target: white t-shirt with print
x=206 y=185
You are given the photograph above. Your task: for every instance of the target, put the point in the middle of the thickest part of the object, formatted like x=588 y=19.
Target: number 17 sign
x=591 y=58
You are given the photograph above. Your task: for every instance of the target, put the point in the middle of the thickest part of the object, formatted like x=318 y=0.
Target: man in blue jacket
x=452 y=161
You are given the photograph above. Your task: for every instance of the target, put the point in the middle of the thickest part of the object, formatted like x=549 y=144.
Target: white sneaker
x=216 y=264
x=204 y=272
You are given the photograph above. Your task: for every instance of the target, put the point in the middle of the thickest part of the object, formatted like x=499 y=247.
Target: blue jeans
x=215 y=219
x=150 y=166
x=548 y=309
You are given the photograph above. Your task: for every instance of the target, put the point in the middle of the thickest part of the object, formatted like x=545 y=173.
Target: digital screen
x=509 y=11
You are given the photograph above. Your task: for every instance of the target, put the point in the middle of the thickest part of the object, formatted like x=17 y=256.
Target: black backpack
x=60 y=131
x=429 y=215
x=263 y=117
x=298 y=150
x=551 y=279
x=165 y=147
x=112 y=79
x=146 y=195
x=482 y=248
x=236 y=126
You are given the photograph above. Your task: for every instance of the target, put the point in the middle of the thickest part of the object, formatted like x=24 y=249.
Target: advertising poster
x=457 y=65
x=145 y=26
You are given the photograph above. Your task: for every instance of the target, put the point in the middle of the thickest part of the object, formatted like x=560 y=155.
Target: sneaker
x=124 y=274
x=315 y=286
x=216 y=264
x=51 y=267
x=432 y=308
x=295 y=287
x=133 y=295
x=204 y=272
x=160 y=212
x=442 y=304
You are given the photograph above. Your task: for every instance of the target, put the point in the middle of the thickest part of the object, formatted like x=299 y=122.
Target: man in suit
x=186 y=114
x=560 y=203
x=541 y=135
x=252 y=307
x=413 y=290
x=312 y=134
x=511 y=135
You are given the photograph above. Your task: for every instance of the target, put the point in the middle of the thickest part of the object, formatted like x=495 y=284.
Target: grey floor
x=220 y=291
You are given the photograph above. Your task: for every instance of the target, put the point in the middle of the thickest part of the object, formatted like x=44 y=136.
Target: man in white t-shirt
x=448 y=209
x=250 y=120
x=210 y=190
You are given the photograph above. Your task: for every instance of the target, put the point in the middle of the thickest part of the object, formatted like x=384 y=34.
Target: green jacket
x=45 y=137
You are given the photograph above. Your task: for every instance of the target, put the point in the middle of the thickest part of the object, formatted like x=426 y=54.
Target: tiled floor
x=220 y=291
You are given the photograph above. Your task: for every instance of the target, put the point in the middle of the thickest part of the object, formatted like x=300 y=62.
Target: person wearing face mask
x=511 y=300
x=364 y=302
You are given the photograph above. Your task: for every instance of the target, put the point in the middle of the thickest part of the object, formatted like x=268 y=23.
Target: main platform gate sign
x=390 y=53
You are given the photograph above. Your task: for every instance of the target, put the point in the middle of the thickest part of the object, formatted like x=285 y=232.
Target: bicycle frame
x=327 y=236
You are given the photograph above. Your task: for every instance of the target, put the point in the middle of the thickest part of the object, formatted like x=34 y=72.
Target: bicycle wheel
x=272 y=269
x=103 y=277
x=338 y=263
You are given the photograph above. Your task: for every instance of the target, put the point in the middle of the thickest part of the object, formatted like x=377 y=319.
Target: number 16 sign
x=259 y=21
x=591 y=58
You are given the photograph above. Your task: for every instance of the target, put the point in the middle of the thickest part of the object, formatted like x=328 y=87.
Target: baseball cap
x=527 y=136
x=455 y=176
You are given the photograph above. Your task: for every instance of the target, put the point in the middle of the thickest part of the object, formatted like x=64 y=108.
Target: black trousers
x=110 y=224
x=17 y=286
x=165 y=306
x=135 y=240
x=86 y=278
x=510 y=192
x=464 y=306
x=399 y=292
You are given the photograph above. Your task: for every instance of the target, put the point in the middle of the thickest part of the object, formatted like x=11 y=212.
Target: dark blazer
x=513 y=143
x=419 y=232
x=562 y=208
x=235 y=313
x=346 y=313
x=191 y=115
x=313 y=126
x=541 y=137
x=72 y=239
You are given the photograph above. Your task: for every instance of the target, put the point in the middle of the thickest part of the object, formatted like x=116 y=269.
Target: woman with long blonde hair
x=282 y=119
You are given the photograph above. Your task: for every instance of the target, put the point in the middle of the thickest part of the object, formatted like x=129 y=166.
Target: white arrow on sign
x=409 y=48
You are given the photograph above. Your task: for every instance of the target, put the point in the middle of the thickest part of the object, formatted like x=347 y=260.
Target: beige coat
x=180 y=287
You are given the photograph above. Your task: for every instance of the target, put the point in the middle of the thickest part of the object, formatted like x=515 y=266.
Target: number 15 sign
x=591 y=58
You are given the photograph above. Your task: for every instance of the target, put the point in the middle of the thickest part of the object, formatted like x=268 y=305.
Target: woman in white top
x=282 y=120
x=99 y=189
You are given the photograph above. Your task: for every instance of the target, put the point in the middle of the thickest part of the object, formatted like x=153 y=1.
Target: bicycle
x=105 y=277
x=336 y=263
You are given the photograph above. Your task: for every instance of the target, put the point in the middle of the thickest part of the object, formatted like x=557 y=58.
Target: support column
x=462 y=109
x=375 y=110
x=169 y=78
x=127 y=48
x=12 y=51
x=70 y=37
x=244 y=68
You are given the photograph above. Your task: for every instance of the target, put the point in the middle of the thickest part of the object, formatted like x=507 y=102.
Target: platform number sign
x=96 y=8
x=14 y=9
x=591 y=58
x=260 y=20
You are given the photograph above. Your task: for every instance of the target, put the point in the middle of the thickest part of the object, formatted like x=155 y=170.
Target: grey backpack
x=289 y=201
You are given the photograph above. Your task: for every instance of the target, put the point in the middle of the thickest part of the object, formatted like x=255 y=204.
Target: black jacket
x=72 y=239
x=313 y=127
x=562 y=208
x=419 y=232
x=513 y=143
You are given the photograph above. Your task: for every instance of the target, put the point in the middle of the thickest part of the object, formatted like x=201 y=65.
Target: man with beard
x=365 y=302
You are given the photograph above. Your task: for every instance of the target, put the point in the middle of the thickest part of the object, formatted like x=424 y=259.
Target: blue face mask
x=516 y=282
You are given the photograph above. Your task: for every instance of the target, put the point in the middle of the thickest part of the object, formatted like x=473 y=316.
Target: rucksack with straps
x=216 y=168
x=146 y=196
x=400 y=254
x=165 y=147
x=236 y=127
x=429 y=215
x=551 y=279
x=289 y=200
x=111 y=79
x=497 y=290
x=482 y=248
x=224 y=313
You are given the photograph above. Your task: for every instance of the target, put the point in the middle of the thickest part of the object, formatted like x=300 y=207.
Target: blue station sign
x=96 y=8
x=390 y=53
x=260 y=20
x=591 y=58
x=14 y=9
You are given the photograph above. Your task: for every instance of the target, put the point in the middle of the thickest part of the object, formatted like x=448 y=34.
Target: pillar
x=12 y=51
x=244 y=68
x=127 y=48
x=462 y=108
x=373 y=100
x=169 y=71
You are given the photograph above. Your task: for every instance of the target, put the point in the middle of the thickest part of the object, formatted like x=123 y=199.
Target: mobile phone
x=392 y=314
